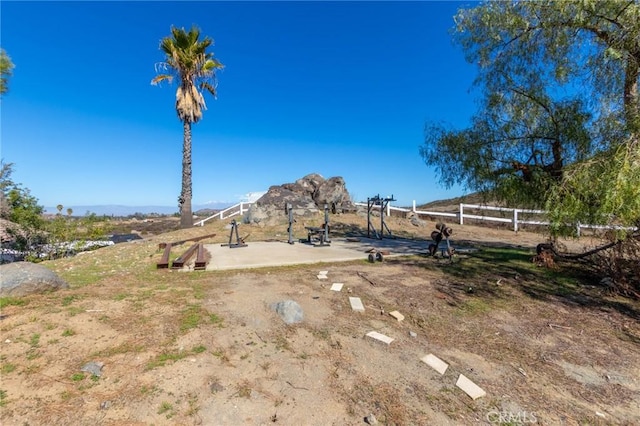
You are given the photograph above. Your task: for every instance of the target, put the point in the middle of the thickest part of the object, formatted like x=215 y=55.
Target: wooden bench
x=318 y=232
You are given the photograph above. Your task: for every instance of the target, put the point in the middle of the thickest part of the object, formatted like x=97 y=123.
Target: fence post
x=515 y=220
x=461 y=213
x=578 y=229
x=414 y=206
x=389 y=209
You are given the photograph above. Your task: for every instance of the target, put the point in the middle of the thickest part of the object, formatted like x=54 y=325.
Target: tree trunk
x=186 y=216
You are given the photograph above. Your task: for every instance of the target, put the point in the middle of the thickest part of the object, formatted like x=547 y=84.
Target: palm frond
x=209 y=88
x=160 y=78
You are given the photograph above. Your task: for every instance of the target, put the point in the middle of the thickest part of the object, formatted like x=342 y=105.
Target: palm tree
x=189 y=62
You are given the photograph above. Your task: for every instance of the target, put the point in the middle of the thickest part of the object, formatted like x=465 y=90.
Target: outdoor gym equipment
x=376 y=255
x=288 y=208
x=239 y=241
x=321 y=233
x=383 y=203
x=442 y=232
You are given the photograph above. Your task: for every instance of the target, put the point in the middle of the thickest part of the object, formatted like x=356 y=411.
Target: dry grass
x=203 y=347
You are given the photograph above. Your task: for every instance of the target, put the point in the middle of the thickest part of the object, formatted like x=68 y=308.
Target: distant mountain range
x=118 y=210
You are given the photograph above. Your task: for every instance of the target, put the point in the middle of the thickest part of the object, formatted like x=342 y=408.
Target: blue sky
x=336 y=88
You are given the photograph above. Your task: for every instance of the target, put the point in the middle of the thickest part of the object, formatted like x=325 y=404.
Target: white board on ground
x=356 y=304
x=397 y=315
x=323 y=272
x=436 y=363
x=322 y=277
x=471 y=389
x=380 y=337
x=336 y=286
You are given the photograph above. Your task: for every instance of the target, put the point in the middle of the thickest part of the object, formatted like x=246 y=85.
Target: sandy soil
x=206 y=348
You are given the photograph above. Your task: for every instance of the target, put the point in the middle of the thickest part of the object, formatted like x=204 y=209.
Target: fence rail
x=514 y=219
x=242 y=207
x=235 y=210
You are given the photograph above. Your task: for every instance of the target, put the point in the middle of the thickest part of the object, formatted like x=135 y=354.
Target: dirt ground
x=548 y=346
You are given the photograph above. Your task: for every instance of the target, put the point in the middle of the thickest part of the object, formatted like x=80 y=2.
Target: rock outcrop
x=22 y=278
x=307 y=196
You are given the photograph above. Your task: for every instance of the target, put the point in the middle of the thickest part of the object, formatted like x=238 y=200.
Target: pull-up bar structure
x=383 y=203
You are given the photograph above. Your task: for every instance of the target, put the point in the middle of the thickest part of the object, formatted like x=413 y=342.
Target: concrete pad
x=471 y=389
x=397 y=315
x=356 y=304
x=436 y=363
x=262 y=254
x=380 y=337
x=323 y=272
x=322 y=277
x=336 y=286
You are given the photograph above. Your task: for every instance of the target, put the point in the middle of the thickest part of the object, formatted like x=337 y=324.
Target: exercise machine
x=383 y=203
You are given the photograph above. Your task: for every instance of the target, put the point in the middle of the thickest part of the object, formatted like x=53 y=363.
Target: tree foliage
x=6 y=71
x=21 y=208
x=559 y=120
x=188 y=61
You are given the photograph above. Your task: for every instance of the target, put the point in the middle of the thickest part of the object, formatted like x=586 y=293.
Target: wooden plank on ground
x=164 y=260
x=194 y=239
x=179 y=262
x=201 y=258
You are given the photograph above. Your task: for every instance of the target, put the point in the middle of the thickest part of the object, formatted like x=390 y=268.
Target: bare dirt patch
x=205 y=347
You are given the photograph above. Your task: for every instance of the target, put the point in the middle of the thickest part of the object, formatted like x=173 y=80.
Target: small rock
x=413 y=334
x=105 y=404
x=371 y=419
x=94 y=368
x=216 y=387
x=289 y=311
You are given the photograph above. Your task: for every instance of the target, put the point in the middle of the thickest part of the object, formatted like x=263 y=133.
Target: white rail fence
x=514 y=215
x=235 y=210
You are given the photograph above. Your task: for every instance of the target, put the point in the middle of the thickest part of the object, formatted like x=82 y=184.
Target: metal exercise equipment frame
x=383 y=203
x=322 y=232
x=443 y=232
x=288 y=209
x=239 y=241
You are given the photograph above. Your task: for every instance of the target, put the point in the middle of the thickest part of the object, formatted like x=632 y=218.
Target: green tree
x=187 y=60
x=6 y=71
x=20 y=207
x=559 y=123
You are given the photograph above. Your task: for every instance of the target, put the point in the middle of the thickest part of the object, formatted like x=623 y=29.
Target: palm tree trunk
x=186 y=216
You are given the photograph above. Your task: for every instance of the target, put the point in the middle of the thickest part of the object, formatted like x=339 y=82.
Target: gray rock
x=416 y=221
x=371 y=419
x=332 y=191
x=23 y=278
x=289 y=311
x=94 y=368
x=307 y=196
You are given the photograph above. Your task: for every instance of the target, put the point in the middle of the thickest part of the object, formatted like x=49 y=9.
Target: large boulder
x=22 y=278
x=307 y=196
x=332 y=191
